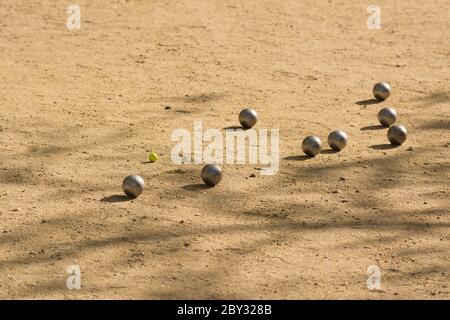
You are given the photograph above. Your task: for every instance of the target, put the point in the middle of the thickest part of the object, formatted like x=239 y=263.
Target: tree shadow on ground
x=437 y=125
x=275 y=221
x=434 y=98
x=196 y=98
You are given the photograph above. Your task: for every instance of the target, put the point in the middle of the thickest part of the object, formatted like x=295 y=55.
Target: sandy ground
x=81 y=109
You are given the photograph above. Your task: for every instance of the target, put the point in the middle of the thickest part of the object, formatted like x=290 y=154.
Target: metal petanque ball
x=133 y=186
x=387 y=116
x=311 y=145
x=397 y=134
x=248 y=118
x=337 y=140
x=382 y=90
x=211 y=174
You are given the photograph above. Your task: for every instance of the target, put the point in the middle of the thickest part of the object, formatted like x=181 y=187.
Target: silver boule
x=382 y=90
x=397 y=134
x=312 y=146
x=248 y=118
x=387 y=116
x=211 y=174
x=337 y=140
x=133 y=186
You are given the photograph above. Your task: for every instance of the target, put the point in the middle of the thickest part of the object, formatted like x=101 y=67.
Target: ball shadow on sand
x=235 y=128
x=298 y=158
x=376 y=127
x=329 y=151
x=368 y=102
x=116 y=198
x=384 y=146
x=197 y=187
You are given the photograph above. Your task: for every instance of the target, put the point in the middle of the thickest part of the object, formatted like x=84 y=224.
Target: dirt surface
x=81 y=109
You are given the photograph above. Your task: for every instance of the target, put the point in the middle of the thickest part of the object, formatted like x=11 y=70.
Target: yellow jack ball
x=152 y=157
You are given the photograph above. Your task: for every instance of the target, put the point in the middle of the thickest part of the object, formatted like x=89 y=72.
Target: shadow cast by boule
x=298 y=158
x=197 y=187
x=368 y=102
x=329 y=151
x=116 y=198
x=383 y=146
x=235 y=128
x=375 y=127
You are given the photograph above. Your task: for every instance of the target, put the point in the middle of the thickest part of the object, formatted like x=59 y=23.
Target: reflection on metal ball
x=312 y=145
x=397 y=134
x=337 y=140
x=387 y=116
x=133 y=186
x=211 y=174
x=382 y=90
x=248 y=118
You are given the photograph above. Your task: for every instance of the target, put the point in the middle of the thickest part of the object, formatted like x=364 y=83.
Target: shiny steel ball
x=397 y=134
x=211 y=174
x=248 y=118
x=387 y=116
x=312 y=145
x=382 y=90
x=337 y=140
x=133 y=186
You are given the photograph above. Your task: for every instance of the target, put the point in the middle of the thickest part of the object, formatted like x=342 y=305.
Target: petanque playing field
x=88 y=89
